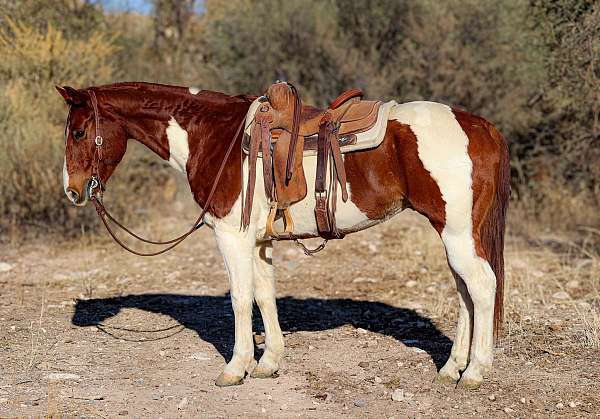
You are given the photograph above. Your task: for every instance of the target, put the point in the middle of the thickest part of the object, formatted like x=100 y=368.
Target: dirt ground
x=89 y=330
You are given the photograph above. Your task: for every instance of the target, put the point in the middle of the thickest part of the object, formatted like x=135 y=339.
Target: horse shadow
x=211 y=317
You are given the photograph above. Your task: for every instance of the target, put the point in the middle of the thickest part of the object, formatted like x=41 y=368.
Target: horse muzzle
x=81 y=198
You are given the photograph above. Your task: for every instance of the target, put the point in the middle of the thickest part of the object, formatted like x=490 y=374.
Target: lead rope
x=103 y=212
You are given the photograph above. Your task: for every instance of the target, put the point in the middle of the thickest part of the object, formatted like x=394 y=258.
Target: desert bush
x=32 y=118
x=558 y=157
x=32 y=115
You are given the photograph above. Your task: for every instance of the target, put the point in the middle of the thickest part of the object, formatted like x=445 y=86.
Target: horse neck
x=143 y=113
x=210 y=120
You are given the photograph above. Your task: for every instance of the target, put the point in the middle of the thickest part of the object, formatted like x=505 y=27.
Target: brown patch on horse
x=491 y=193
x=392 y=176
x=206 y=157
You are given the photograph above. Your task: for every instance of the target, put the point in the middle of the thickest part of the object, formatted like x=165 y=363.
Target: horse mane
x=217 y=98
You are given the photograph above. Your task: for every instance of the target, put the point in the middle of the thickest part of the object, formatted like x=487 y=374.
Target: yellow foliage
x=32 y=114
x=34 y=56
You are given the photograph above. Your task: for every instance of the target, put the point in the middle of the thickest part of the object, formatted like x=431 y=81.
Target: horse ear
x=70 y=95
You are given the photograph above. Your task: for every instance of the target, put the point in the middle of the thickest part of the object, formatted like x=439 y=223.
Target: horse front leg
x=264 y=294
x=237 y=250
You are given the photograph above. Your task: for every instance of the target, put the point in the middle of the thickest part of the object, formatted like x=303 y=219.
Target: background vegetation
x=531 y=67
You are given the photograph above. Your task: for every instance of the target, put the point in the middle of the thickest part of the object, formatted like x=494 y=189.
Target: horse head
x=91 y=152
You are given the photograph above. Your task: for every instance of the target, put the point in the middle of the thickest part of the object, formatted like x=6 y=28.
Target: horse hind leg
x=459 y=355
x=480 y=282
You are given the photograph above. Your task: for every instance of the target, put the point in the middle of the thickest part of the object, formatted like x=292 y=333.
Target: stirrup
x=288 y=222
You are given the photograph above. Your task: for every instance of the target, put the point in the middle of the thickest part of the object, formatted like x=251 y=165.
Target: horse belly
x=349 y=218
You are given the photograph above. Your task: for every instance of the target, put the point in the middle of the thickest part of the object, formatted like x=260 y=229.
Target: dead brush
x=32 y=121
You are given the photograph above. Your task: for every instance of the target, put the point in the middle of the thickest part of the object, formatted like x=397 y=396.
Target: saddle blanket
x=370 y=138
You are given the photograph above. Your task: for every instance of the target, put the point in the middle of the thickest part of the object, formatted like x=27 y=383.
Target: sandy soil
x=88 y=330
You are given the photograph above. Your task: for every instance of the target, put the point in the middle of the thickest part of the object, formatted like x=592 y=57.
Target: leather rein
x=97 y=186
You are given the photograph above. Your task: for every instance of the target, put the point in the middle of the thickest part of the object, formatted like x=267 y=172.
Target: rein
x=103 y=213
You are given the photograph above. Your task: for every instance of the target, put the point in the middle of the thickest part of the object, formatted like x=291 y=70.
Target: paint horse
x=447 y=164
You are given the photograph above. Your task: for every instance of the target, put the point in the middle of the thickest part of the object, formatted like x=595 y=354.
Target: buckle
x=98 y=140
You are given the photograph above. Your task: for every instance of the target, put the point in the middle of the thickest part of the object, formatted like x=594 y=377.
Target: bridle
x=95 y=190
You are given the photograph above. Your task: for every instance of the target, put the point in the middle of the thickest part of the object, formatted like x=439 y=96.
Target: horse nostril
x=72 y=195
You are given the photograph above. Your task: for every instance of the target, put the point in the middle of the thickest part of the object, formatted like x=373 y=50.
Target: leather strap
x=103 y=212
x=295 y=132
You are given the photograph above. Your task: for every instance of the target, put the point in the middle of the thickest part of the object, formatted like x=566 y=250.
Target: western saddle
x=284 y=131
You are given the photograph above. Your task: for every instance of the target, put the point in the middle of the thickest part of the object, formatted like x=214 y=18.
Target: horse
x=444 y=163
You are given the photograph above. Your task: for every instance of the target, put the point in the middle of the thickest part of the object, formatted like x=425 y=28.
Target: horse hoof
x=264 y=372
x=225 y=380
x=445 y=379
x=469 y=383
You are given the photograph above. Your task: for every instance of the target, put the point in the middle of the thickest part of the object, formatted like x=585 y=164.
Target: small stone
x=398 y=395
x=263 y=410
x=378 y=380
x=572 y=404
x=411 y=283
x=162 y=353
x=573 y=283
x=361 y=330
x=361 y=279
x=363 y=364
x=492 y=397
x=537 y=274
x=523 y=400
x=156 y=397
x=310 y=347
x=559 y=405
x=200 y=356
x=5 y=267
x=182 y=404
x=561 y=295
x=360 y=403
x=269 y=397
x=508 y=410
x=56 y=376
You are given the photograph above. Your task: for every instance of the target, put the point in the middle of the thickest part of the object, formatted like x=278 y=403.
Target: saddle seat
x=284 y=131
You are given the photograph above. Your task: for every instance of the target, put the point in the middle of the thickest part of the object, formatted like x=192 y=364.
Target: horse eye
x=78 y=134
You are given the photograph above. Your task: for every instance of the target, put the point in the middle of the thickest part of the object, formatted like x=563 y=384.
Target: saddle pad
x=359 y=141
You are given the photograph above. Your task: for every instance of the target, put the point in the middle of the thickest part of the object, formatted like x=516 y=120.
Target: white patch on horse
x=194 y=90
x=65 y=177
x=348 y=216
x=179 y=149
x=443 y=149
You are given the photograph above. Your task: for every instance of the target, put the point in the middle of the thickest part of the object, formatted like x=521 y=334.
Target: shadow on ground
x=212 y=318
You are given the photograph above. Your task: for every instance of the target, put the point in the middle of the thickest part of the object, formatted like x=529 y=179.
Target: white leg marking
x=264 y=294
x=443 y=149
x=65 y=177
x=194 y=90
x=459 y=355
x=237 y=250
x=179 y=148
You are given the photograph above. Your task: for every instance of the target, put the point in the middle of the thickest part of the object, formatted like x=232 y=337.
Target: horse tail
x=493 y=228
